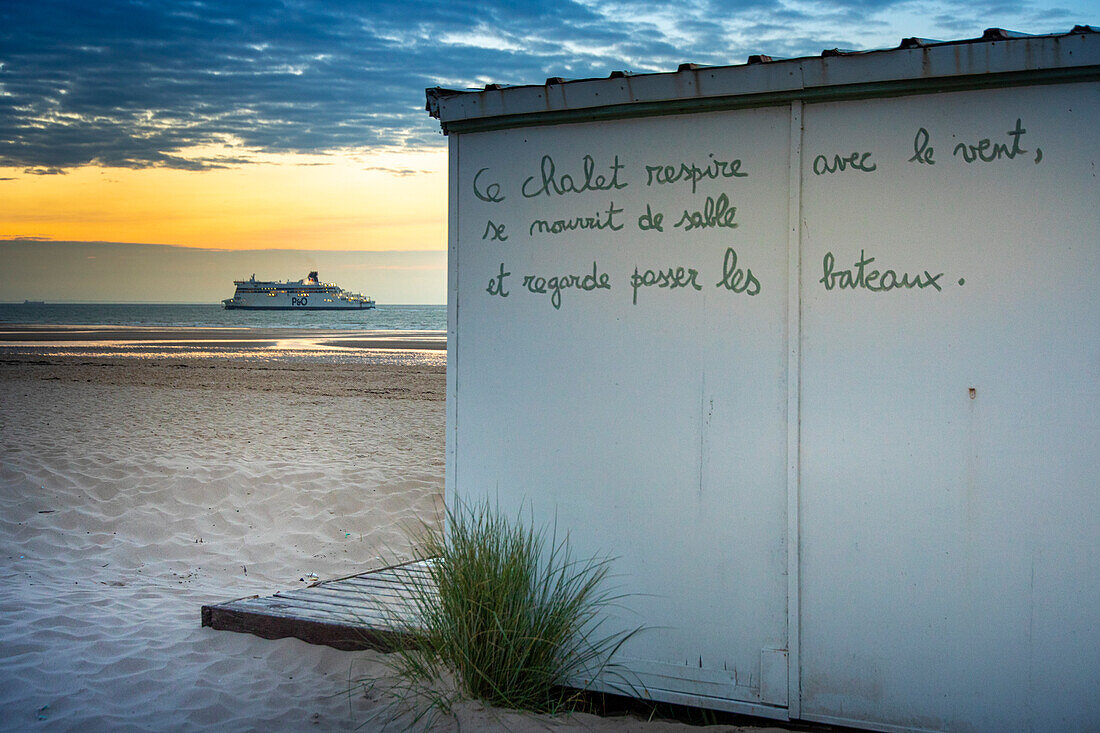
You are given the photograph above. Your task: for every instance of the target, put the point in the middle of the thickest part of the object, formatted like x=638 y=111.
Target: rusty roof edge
x=808 y=95
x=462 y=108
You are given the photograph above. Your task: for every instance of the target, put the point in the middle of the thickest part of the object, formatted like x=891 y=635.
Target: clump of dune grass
x=508 y=616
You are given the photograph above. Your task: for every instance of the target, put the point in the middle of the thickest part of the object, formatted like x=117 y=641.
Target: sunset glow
x=315 y=202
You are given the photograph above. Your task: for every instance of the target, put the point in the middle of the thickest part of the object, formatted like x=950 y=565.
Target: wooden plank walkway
x=372 y=610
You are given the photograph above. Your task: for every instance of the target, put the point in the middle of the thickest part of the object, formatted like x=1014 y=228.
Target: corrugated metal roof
x=917 y=65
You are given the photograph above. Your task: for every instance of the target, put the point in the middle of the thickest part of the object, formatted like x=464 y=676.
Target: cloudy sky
x=300 y=126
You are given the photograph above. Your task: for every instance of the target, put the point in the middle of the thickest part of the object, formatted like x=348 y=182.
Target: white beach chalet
x=813 y=347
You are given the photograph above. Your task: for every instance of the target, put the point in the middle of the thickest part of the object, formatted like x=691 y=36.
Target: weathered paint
x=949 y=462
x=631 y=415
x=836 y=410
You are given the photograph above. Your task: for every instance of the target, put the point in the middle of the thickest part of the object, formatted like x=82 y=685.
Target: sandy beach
x=135 y=489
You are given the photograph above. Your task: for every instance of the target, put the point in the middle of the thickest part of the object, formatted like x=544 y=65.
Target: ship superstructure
x=308 y=293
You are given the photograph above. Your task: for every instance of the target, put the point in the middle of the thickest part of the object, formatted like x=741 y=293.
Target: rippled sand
x=133 y=493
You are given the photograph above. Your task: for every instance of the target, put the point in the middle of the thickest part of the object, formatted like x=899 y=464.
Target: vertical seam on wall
x=794 y=415
x=450 y=480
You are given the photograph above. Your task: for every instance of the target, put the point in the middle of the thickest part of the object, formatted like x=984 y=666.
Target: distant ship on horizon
x=308 y=293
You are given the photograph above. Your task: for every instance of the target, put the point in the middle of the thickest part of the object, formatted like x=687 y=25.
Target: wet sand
x=274 y=345
x=13 y=335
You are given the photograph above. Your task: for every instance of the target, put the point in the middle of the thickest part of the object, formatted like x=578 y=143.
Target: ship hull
x=299 y=307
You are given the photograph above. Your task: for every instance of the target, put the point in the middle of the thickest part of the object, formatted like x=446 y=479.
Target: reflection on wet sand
x=248 y=344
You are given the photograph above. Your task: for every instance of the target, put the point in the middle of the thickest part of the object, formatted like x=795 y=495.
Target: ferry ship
x=308 y=293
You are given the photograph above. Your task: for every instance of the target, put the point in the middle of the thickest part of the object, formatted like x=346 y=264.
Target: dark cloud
x=402 y=172
x=1057 y=14
x=134 y=84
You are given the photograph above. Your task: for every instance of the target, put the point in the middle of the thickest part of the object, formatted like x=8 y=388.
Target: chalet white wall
x=896 y=491
x=945 y=533
x=648 y=429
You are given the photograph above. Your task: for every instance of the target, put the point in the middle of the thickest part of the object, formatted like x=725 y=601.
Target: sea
x=294 y=335
x=383 y=318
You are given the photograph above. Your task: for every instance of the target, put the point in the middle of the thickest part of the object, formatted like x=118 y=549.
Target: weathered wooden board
x=372 y=610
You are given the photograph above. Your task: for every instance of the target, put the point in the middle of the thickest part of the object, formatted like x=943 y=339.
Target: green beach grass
x=509 y=618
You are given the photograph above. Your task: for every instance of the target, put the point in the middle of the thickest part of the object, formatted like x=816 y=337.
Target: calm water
x=384 y=317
